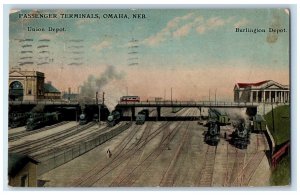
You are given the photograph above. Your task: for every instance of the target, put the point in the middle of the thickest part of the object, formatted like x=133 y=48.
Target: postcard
x=149 y=98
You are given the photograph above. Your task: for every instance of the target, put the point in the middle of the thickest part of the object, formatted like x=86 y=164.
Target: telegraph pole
x=273 y=118
x=171 y=95
x=215 y=96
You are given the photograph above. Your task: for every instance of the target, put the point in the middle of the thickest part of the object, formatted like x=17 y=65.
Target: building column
x=270 y=97
x=281 y=93
x=251 y=96
x=263 y=96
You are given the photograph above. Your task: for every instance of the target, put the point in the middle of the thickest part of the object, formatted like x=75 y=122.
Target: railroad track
x=206 y=175
x=36 y=145
x=70 y=142
x=98 y=173
x=249 y=169
x=116 y=156
x=134 y=159
x=18 y=135
x=140 y=168
x=237 y=166
x=170 y=175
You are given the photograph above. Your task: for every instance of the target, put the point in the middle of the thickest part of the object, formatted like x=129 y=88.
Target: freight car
x=38 y=120
x=18 y=119
x=91 y=113
x=240 y=138
x=142 y=116
x=221 y=117
x=114 y=117
x=212 y=136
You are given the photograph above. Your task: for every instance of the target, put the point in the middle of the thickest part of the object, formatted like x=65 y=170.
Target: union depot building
x=30 y=86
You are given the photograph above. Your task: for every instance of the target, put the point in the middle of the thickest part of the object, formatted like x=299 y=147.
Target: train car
x=38 y=120
x=91 y=113
x=240 y=138
x=212 y=136
x=142 y=116
x=18 y=119
x=130 y=99
x=114 y=117
x=221 y=117
x=259 y=124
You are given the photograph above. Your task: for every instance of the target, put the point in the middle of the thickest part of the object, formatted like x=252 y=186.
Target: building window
x=29 y=92
x=24 y=181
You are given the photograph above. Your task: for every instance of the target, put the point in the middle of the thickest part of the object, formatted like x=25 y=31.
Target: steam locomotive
x=38 y=120
x=91 y=113
x=240 y=138
x=17 y=119
x=114 y=117
x=212 y=136
x=142 y=116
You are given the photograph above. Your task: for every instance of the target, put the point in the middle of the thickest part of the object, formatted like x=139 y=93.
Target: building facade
x=26 y=85
x=30 y=86
x=265 y=91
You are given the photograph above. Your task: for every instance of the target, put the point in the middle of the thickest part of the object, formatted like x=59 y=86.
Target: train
x=91 y=113
x=258 y=124
x=240 y=138
x=129 y=99
x=212 y=136
x=221 y=117
x=38 y=120
x=114 y=117
x=17 y=119
x=142 y=116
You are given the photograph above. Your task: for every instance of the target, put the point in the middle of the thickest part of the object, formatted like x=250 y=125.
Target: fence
x=59 y=158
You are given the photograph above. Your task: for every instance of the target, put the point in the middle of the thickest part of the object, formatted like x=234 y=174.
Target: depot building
x=30 y=86
x=267 y=91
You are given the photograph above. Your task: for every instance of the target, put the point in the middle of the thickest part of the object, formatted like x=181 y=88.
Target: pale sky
x=192 y=51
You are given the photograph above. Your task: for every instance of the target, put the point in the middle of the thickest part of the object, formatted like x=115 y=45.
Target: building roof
x=244 y=85
x=48 y=88
x=17 y=161
x=261 y=85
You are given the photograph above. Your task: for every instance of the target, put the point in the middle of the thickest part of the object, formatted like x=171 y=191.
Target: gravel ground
x=185 y=161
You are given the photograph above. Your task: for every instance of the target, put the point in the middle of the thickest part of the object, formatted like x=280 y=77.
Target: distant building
x=30 y=85
x=265 y=91
x=22 y=170
x=51 y=92
x=70 y=96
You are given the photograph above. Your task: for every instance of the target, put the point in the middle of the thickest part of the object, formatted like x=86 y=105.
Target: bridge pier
x=158 y=113
x=132 y=113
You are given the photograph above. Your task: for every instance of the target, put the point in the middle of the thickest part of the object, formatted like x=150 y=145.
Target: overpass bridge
x=252 y=107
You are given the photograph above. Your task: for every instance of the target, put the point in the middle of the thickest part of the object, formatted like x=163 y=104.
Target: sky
x=192 y=51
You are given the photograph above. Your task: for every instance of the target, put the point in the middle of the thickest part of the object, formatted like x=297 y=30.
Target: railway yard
x=156 y=153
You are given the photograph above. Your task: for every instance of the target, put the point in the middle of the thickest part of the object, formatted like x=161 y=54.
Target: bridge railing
x=186 y=103
x=48 y=102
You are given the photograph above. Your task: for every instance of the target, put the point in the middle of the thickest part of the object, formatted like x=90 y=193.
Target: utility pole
x=215 y=96
x=171 y=95
x=273 y=118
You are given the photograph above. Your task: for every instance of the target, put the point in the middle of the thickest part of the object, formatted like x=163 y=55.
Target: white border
x=134 y=4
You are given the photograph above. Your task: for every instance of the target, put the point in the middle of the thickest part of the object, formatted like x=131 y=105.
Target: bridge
x=185 y=104
x=147 y=104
